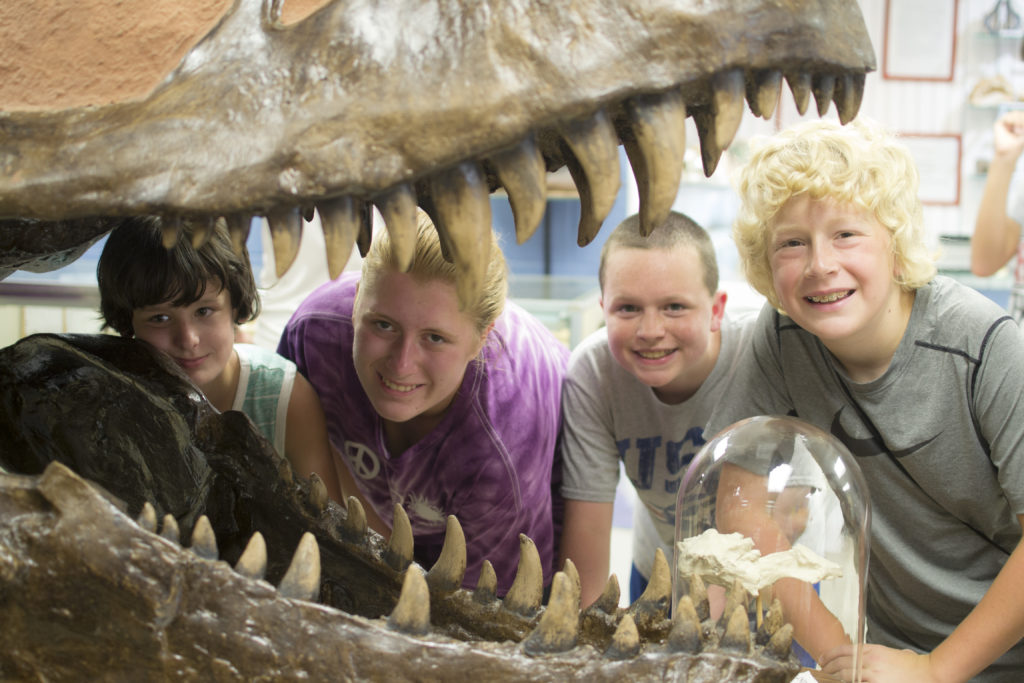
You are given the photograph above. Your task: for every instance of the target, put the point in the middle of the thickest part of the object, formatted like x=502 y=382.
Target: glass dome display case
x=774 y=512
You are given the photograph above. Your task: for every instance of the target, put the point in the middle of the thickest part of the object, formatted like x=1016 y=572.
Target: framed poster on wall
x=920 y=40
x=938 y=159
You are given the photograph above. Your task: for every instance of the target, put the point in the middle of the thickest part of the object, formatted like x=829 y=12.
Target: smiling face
x=833 y=271
x=412 y=346
x=662 y=321
x=199 y=337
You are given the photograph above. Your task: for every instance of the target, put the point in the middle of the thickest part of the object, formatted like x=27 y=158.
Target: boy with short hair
x=186 y=301
x=919 y=376
x=640 y=389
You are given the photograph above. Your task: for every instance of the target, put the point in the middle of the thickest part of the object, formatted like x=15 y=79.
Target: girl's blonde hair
x=860 y=164
x=428 y=263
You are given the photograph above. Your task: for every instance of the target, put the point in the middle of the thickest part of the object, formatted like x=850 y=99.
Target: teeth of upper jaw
x=397 y=387
x=652 y=355
x=651 y=128
x=828 y=298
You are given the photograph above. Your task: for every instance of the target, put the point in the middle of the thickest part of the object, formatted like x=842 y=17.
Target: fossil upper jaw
x=366 y=101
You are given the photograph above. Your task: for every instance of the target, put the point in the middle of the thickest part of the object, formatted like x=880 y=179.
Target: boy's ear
x=718 y=310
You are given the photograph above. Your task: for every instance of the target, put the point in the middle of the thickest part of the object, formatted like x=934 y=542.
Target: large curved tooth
x=462 y=208
x=147 y=517
x=527 y=590
x=823 y=86
x=521 y=172
x=302 y=580
x=781 y=644
x=574 y=575
x=608 y=601
x=341 y=220
x=625 y=641
x=685 y=635
x=412 y=613
x=559 y=626
x=594 y=167
x=202 y=230
x=656 y=146
x=800 y=86
x=204 y=542
x=398 y=556
x=447 y=573
x=737 y=632
x=285 y=472
x=171 y=231
x=253 y=562
x=717 y=124
x=286 y=233
x=353 y=528
x=238 y=225
x=487 y=585
x=736 y=596
x=848 y=95
x=772 y=622
x=170 y=529
x=398 y=209
x=318 y=495
x=763 y=90
x=653 y=605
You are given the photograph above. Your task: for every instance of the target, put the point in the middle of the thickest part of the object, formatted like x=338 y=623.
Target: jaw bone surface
x=261 y=118
x=274 y=583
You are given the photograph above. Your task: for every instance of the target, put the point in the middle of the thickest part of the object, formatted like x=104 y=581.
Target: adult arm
x=306 y=445
x=989 y=630
x=586 y=540
x=996 y=234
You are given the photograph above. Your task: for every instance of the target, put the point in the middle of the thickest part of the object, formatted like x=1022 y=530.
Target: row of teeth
x=404 y=388
x=651 y=127
x=559 y=627
x=828 y=298
x=652 y=355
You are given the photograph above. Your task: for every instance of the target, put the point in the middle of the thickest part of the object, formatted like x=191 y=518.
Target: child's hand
x=879 y=665
x=1009 y=133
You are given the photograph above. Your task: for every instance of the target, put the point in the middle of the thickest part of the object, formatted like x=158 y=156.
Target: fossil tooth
x=699 y=594
x=685 y=635
x=204 y=542
x=653 y=605
x=521 y=172
x=823 y=87
x=170 y=529
x=487 y=585
x=253 y=561
x=447 y=573
x=353 y=529
x=772 y=623
x=780 y=645
x=284 y=471
x=147 y=517
x=286 y=233
x=308 y=210
x=763 y=90
x=273 y=10
x=594 y=167
x=412 y=612
x=318 y=495
x=574 y=575
x=398 y=209
x=736 y=596
x=625 y=641
x=202 y=231
x=462 y=208
x=238 y=225
x=737 y=631
x=800 y=86
x=848 y=94
x=302 y=580
x=398 y=556
x=608 y=601
x=655 y=146
x=559 y=626
x=527 y=590
x=341 y=222
x=717 y=124
x=365 y=235
x=171 y=231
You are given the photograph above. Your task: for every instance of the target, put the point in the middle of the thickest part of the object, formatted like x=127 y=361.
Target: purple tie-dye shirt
x=489 y=462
